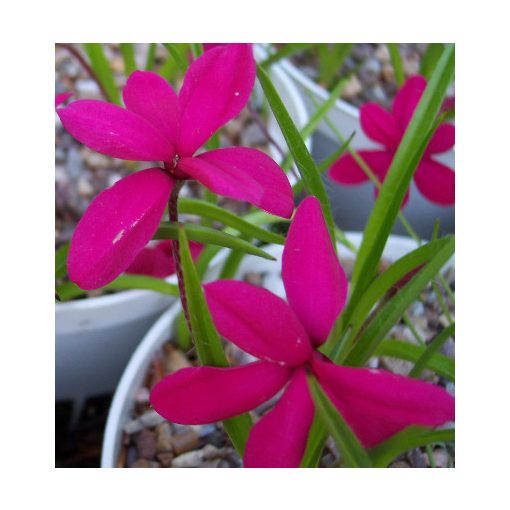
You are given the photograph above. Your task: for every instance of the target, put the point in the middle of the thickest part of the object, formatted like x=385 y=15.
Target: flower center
x=171 y=168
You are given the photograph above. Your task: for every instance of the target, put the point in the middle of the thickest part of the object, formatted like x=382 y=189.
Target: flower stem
x=174 y=217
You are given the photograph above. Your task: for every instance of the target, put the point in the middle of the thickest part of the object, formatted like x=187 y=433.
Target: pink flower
x=375 y=403
x=158 y=260
x=433 y=179
x=159 y=125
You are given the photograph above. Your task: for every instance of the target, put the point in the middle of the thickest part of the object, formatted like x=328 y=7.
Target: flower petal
x=62 y=98
x=407 y=99
x=346 y=170
x=150 y=96
x=243 y=174
x=195 y=396
x=314 y=280
x=114 y=131
x=153 y=261
x=378 y=404
x=379 y=125
x=278 y=439
x=116 y=226
x=216 y=88
x=257 y=321
x=435 y=181
x=442 y=140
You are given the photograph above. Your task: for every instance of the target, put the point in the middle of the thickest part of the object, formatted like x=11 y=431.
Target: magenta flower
x=433 y=179
x=159 y=125
x=375 y=403
x=158 y=260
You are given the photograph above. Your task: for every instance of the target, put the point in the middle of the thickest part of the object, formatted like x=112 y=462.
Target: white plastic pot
x=95 y=337
x=161 y=332
x=352 y=204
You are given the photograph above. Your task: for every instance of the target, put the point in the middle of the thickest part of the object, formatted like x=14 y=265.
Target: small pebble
x=164 y=437
x=440 y=457
x=87 y=89
x=165 y=458
x=254 y=278
x=400 y=464
x=141 y=463
x=146 y=444
x=185 y=442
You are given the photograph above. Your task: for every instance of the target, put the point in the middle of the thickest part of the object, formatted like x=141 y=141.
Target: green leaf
x=331 y=59
x=196 y=49
x=207 y=340
x=181 y=61
x=315 y=444
x=396 y=60
x=70 y=290
x=430 y=59
x=285 y=51
x=306 y=166
x=431 y=349
x=101 y=67
x=354 y=317
x=317 y=117
x=348 y=445
x=439 y=363
x=151 y=57
x=183 y=337
x=407 y=439
x=398 y=179
x=61 y=261
x=206 y=235
x=128 y=54
x=394 y=308
x=229 y=219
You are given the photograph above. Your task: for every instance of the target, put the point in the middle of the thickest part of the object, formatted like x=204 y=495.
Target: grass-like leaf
x=407 y=439
x=207 y=340
x=304 y=162
x=431 y=349
x=388 y=315
x=176 y=52
x=398 y=179
x=352 y=452
x=396 y=60
x=208 y=210
x=285 y=51
x=206 y=235
x=437 y=362
x=430 y=59
x=61 y=261
x=102 y=69
x=70 y=290
x=128 y=55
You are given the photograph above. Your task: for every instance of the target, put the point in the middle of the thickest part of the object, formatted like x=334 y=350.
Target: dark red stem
x=174 y=217
x=78 y=56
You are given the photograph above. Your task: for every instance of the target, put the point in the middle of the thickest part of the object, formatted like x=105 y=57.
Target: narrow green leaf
x=331 y=59
x=128 y=54
x=207 y=235
x=348 y=445
x=181 y=62
x=196 y=49
x=315 y=444
x=61 y=261
x=407 y=439
x=317 y=117
x=183 y=337
x=439 y=363
x=101 y=67
x=207 y=340
x=396 y=60
x=389 y=314
x=285 y=51
x=306 y=166
x=432 y=348
x=430 y=59
x=403 y=166
x=229 y=219
x=231 y=265
x=354 y=317
x=70 y=290
x=326 y=163
x=151 y=57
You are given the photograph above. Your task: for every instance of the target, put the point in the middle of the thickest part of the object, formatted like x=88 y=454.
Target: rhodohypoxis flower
x=285 y=336
x=158 y=260
x=433 y=179
x=159 y=125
